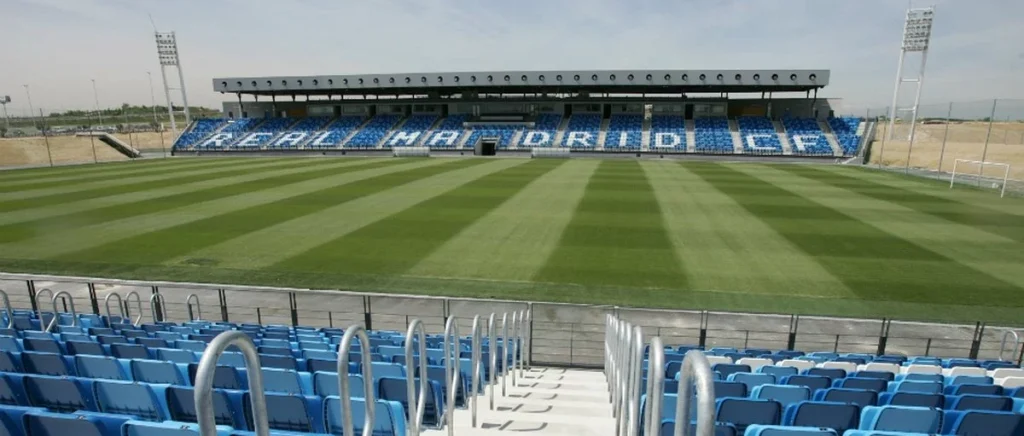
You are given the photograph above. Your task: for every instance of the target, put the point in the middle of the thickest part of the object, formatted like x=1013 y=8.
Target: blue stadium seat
x=224 y=377
x=42 y=345
x=977 y=422
x=759 y=136
x=668 y=427
x=128 y=398
x=182 y=407
x=845 y=130
x=169 y=428
x=914 y=399
x=175 y=355
x=973 y=389
x=79 y=424
x=12 y=419
x=152 y=342
x=389 y=419
x=394 y=389
x=901 y=418
x=813 y=382
x=712 y=135
x=916 y=386
x=326 y=383
x=806 y=136
x=917 y=377
x=156 y=371
x=87 y=348
x=752 y=379
x=969 y=379
x=9 y=344
x=837 y=416
x=100 y=367
x=884 y=375
x=781 y=430
x=832 y=373
x=992 y=403
x=742 y=412
x=288 y=412
x=783 y=394
x=60 y=394
x=45 y=363
x=12 y=393
x=129 y=351
x=871 y=384
x=8 y=363
x=860 y=397
x=282 y=380
x=625 y=132
x=274 y=351
x=778 y=371
x=724 y=389
x=727 y=369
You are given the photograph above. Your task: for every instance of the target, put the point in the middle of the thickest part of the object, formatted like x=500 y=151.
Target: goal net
x=966 y=165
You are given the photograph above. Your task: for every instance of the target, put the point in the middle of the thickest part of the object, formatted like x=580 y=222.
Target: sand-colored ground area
x=67 y=150
x=964 y=141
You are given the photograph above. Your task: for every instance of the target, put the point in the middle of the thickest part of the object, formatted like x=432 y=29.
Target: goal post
x=981 y=169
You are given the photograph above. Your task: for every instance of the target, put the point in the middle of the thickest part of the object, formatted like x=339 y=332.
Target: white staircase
x=780 y=131
x=602 y=134
x=645 y=135
x=543 y=402
x=830 y=136
x=465 y=138
x=737 y=141
x=561 y=132
x=354 y=132
x=691 y=137
x=430 y=131
x=516 y=137
x=396 y=127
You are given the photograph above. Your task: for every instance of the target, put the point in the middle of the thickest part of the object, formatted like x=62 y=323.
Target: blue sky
x=57 y=46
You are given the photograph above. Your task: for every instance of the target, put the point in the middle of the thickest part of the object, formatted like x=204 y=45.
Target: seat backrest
x=320 y=354
x=156 y=371
x=973 y=389
x=389 y=420
x=284 y=412
x=832 y=373
x=837 y=416
x=127 y=398
x=781 y=430
x=381 y=370
x=190 y=345
x=755 y=363
x=922 y=387
x=42 y=345
x=57 y=394
x=175 y=355
x=884 y=375
x=752 y=379
x=231 y=358
x=8 y=363
x=100 y=367
x=912 y=399
x=79 y=347
x=152 y=342
x=992 y=403
x=129 y=351
x=729 y=368
x=58 y=424
x=181 y=404
x=901 y=418
x=742 y=412
x=870 y=384
x=9 y=343
x=318 y=365
x=326 y=383
x=279 y=361
x=11 y=394
x=814 y=382
x=919 y=377
x=282 y=381
x=224 y=377
x=275 y=351
x=721 y=429
x=970 y=379
x=979 y=422
x=45 y=363
x=724 y=389
x=778 y=371
x=860 y=397
x=784 y=394
x=277 y=343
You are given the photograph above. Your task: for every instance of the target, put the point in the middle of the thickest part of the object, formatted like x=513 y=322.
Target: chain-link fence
x=986 y=130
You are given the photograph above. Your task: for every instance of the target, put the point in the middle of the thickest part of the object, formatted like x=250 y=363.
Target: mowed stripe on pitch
x=290 y=238
x=159 y=246
x=81 y=239
x=967 y=245
x=724 y=247
x=111 y=174
x=870 y=262
x=617 y=236
x=13 y=201
x=513 y=241
x=224 y=183
x=992 y=221
x=397 y=243
x=68 y=172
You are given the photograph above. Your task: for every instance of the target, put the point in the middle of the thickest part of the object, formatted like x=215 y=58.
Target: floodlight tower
x=3 y=102
x=167 y=50
x=917 y=33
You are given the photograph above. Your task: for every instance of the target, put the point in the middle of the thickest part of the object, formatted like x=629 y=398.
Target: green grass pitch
x=785 y=238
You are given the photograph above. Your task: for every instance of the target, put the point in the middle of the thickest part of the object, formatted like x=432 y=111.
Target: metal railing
x=343 y=381
x=203 y=396
x=56 y=314
x=624 y=363
x=475 y=358
x=120 y=306
x=1002 y=344
x=492 y=357
x=198 y=316
x=39 y=310
x=10 y=313
x=504 y=351
x=417 y=409
x=451 y=369
x=158 y=307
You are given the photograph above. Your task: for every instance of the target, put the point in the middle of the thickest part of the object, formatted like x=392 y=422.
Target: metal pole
x=417 y=409
x=695 y=365
x=896 y=91
x=881 y=152
x=124 y=112
x=917 y=101
x=7 y=119
x=492 y=355
x=156 y=122
x=655 y=387
x=451 y=370
x=96 y=96
x=203 y=395
x=170 y=106
x=474 y=365
x=92 y=141
x=942 y=152
x=31 y=110
x=988 y=133
x=356 y=331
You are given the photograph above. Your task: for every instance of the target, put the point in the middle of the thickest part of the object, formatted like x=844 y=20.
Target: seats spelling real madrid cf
x=792 y=393
x=712 y=135
x=69 y=382
x=582 y=131
x=845 y=130
x=625 y=131
x=758 y=135
x=448 y=133
x=806 y=136
x=411 y=130
x=202 y=128
x=667 y=130
x=373 y=132
x=545 y=127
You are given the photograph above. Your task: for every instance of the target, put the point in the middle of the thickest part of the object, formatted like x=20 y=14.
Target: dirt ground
x=964 y=141
x=66 y=150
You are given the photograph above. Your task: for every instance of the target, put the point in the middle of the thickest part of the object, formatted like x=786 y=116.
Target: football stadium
x=626 y=252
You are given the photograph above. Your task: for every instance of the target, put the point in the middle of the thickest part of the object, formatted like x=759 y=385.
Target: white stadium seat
x=880 y=366
x=755 y=362
x=849 y=367
x=964 y=370
x=799 y=364
x=921 y=369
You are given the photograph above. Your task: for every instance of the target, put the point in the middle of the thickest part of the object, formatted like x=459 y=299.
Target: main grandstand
x=674 y=112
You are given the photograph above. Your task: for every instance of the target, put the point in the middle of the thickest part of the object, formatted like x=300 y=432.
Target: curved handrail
x=415 y=419
x=128 y=304
x=1002 y=345
x=56 y=315
x=203 y=395
x=515 y=343
x=492 y=354
x=695 y=365
x=7 y=309
x=655 y=388
x=39 y=307
x=120 y=305
x=343 y=382
x=633 y=394
x=188 y=304
x=622 y=381
x=451 y=368
x=528 y=337
x=504 y=350
x=475 y=357
x=152 y=308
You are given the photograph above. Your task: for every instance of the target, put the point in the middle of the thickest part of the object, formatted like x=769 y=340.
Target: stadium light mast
x=917 y=33
x=7 y=119
x=167 y=51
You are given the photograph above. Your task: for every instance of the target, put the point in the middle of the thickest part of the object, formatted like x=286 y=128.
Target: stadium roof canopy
x=530 y=82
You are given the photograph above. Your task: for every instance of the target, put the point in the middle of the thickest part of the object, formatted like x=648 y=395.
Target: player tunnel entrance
x=487 y=147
